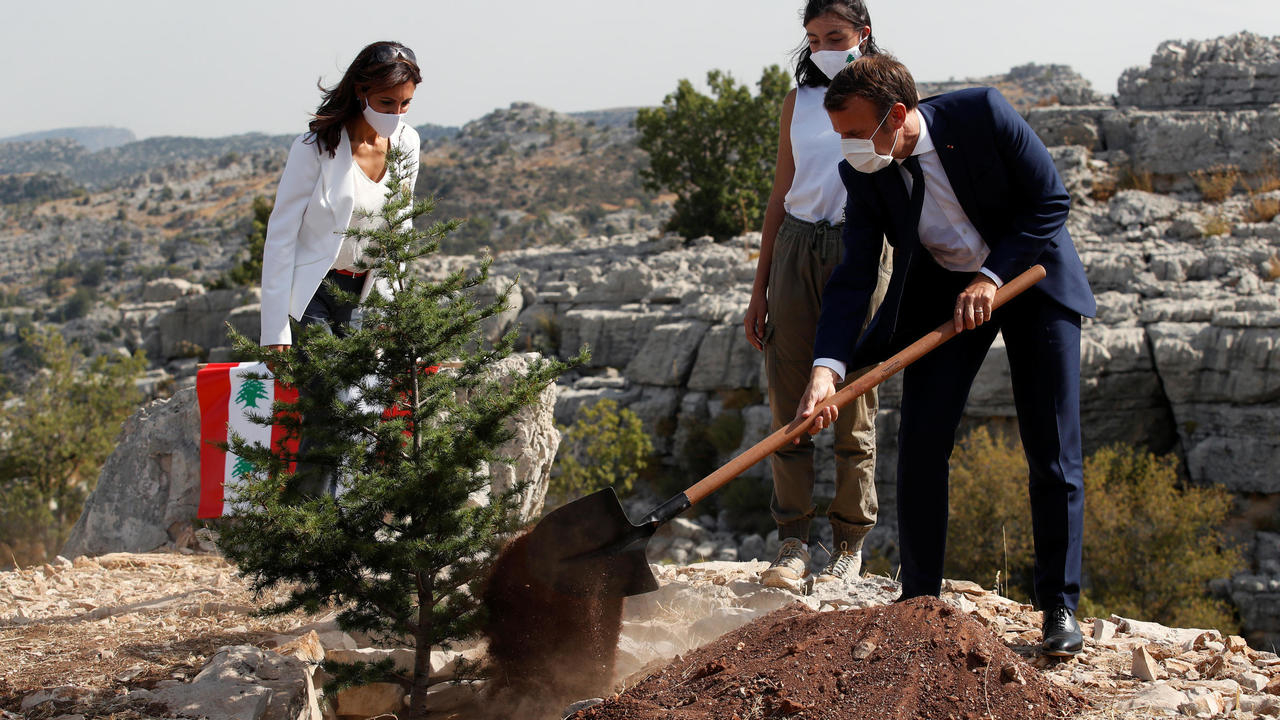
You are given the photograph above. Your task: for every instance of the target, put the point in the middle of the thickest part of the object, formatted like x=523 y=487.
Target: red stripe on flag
x=213 y=388
x=289 y=394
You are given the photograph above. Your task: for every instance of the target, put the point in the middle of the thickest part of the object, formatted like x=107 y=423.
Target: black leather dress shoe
x=1062 y=636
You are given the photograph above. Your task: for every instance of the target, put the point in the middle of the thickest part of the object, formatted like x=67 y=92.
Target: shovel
x=590 y=547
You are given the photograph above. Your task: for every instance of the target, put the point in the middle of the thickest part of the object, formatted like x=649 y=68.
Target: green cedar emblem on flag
x=242 y=468
x=251 y=391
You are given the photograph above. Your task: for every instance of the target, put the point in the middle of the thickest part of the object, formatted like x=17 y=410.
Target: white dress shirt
x=944 y=229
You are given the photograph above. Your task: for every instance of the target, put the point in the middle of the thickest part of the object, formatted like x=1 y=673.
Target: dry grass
x=1261 y=209
x=1217 y=225
x=1266 y=179
x=1271 y=267
x=1104 y=188
x=1135 y=180
x=1216 y=183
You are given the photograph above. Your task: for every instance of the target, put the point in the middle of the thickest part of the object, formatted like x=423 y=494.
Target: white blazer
x=313 y=209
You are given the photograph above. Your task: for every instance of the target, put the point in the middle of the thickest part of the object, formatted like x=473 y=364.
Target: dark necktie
x=912 y=164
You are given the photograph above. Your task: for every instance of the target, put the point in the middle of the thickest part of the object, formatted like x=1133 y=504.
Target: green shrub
x=56 y=438
x=1151 y=544
x=715 y=152
x=604 y=447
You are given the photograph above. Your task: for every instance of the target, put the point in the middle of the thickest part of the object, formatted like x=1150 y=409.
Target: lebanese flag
x=227 y=399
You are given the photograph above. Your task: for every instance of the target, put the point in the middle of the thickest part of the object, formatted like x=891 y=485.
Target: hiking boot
x=844 y=565
x=791 y=566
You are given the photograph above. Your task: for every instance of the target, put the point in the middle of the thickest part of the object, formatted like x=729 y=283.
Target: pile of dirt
x=917 y=659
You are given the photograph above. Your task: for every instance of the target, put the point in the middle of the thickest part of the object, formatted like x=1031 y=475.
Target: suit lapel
x=952 y=153
x=339 y=188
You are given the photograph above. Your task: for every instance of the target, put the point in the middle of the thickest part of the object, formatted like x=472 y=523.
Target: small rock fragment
x=1011 y=673
x=1253 y=682
x=863 y=650
x=1144 y=667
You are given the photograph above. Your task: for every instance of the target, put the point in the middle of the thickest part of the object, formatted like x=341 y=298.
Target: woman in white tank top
x=800 y=247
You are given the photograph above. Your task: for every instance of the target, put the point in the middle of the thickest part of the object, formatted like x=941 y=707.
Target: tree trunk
x=422 y=650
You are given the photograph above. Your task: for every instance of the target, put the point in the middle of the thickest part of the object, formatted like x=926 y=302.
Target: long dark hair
x=378 y=66
x=854 y=11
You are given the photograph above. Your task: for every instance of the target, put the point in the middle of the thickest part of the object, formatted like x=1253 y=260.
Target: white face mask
x=831 y=62
x=382 y=123
x=862 y=154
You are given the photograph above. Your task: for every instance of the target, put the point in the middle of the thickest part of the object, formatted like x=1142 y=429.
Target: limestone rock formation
x=1236 y=71
x=157 y=458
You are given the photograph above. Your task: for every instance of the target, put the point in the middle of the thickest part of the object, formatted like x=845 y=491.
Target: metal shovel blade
x=589 y=546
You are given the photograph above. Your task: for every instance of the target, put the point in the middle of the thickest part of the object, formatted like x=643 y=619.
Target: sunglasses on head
x=390 y=53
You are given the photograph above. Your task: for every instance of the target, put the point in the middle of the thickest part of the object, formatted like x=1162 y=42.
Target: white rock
x=1252 y=681
x=1103 y=630
x=1160 y=696
x=1159 y=633
x=752 y=548
x=722 y=621
x=241 y=683
x=449 y=696
x=1144 y=666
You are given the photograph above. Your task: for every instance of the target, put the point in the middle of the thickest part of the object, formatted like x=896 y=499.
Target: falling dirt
x=547 y=649
x=918 y=659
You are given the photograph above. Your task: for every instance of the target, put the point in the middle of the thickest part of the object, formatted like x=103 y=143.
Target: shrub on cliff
x=605 y=447
x=716 y=153
x=1151 y=543
x=54 y=437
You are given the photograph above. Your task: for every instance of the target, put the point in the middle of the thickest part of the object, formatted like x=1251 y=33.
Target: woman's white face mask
x=862 y=154
x=382 y=123
x=831 y=62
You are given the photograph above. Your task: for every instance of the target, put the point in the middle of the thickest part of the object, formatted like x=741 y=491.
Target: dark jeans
x=314 y=479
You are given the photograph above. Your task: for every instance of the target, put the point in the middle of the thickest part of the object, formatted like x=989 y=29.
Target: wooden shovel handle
x=781 y=437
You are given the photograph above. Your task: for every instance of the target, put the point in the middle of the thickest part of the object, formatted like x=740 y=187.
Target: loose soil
x=546 y=648
x=917 y=659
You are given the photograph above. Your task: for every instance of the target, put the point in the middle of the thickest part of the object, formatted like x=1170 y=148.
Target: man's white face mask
x=862 y=154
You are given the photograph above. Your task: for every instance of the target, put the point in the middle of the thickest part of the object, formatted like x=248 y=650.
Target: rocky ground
x=135 y=636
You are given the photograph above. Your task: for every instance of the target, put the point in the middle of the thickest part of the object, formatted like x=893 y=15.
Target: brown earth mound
x=918 y=659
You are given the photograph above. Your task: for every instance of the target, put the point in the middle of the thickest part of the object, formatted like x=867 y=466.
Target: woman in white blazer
x=334 y=179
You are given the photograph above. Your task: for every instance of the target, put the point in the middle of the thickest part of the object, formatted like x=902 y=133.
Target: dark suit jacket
x=1007 y=184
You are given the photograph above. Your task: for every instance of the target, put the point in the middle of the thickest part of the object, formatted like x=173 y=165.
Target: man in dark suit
x=969 y=198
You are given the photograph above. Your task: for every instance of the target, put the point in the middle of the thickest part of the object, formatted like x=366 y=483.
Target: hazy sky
x=174 y=67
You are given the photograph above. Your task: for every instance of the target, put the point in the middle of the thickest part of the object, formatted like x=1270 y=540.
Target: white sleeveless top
x=370 y=196
x=816 y=191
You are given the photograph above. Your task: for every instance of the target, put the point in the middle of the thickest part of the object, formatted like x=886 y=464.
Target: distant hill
x=92 y=138
x=526 y=175
x=108 y=167
x=429 y=133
